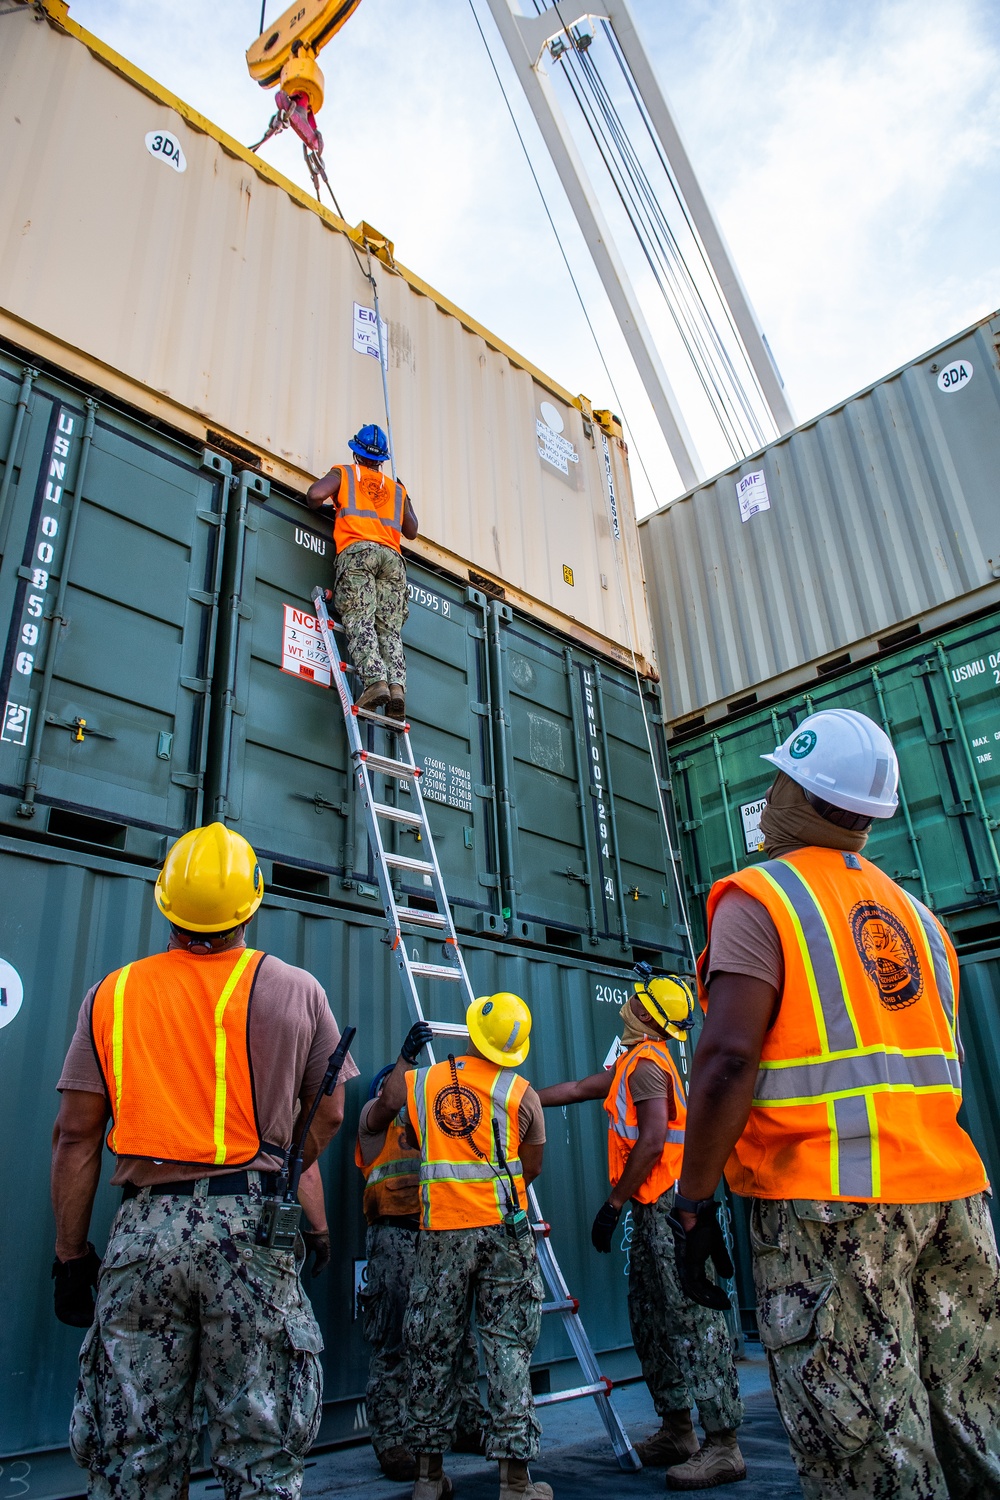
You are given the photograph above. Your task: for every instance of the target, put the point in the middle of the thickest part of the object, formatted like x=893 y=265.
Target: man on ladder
x=481 y=1135
x=371 y=511
x=392 y=1208
x=684 y=1347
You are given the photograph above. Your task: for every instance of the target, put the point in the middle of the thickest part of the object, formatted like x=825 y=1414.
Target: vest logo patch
x=887 y=952
x=457 y=1110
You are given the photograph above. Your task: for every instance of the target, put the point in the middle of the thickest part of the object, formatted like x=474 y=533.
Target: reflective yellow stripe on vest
x=219 y=1131
x=117 y=1034
x=846 y=1075
x=631 y=1132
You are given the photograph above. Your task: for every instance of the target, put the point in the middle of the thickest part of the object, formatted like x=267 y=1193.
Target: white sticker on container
x=750 y=813
x=751 y=492
x=956 y=375
x=302 y=651
x=552 y=446
x=166 y=147
x=366 y=333
x=11 y=992
x=551 y=416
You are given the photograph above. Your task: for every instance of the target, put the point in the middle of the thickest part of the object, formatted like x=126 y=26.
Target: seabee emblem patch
x=457 y=1110
x=887 y=952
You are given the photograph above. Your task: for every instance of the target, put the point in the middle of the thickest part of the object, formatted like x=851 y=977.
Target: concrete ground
x=576 y=1457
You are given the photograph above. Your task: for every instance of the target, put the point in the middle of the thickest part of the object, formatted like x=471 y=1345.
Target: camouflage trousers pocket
x=815 y=1370
x=85 y=1440
x=305 y=1386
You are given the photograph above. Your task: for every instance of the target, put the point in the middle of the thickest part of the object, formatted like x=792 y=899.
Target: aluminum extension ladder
x=405 y=769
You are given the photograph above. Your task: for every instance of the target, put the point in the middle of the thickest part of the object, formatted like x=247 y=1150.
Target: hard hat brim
x=503 y=1059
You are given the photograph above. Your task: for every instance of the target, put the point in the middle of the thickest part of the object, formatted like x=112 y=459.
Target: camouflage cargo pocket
x=815 y=1369
x=85 y=1440
x=305 y=1384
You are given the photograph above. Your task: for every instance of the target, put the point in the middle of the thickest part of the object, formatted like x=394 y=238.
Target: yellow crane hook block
x=310 y=23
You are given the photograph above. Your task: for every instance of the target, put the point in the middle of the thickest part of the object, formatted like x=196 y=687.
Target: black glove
x=317 y=1243
x=693 y=1247
x=420 y=1035
x=75 y=1281
x=604 y=1227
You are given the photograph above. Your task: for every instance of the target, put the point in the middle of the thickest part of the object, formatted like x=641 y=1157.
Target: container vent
x=747 y=701
x=898 y=637
x=296 y=878
x=490 y=589
x=833 y=665
x=82 y=829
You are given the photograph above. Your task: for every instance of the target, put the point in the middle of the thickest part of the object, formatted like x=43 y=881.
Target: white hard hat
x=844 y=758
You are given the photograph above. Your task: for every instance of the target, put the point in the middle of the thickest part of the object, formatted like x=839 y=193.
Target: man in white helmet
x=827 y=1082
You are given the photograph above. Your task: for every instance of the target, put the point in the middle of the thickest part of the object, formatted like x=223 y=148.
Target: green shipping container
x=544 y=798
x=68 y=919
x=109 y=565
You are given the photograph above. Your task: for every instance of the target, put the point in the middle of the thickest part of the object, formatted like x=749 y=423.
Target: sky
x=850 y=151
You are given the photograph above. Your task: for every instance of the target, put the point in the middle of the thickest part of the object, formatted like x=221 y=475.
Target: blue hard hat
x=370 y=442
x=379 y=1079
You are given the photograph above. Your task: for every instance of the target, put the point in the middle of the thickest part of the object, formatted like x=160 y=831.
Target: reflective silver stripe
x=676 y=1137
x=840 y=1033
x=350 y=507
x=854 y=1148
x=461 y=1171
x=420 y=1097
x=939 y=958
x=865 y=1070
x=399 y=1168
x=620 y=1126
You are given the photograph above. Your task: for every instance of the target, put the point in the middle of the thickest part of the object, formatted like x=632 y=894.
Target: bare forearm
x=329 y=1118
x=722 y=1085
x=642 y=1159
x=576 y=1091
x=76 y=1172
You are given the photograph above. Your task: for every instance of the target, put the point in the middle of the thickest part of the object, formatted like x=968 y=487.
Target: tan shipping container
x=222 y=298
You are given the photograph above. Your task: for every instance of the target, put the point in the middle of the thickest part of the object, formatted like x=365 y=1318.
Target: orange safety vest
x=623 y=1125
x=392 y=1177
x=370 y=508
x=458 y=1189
x=860 y=1076
x=171 y=1036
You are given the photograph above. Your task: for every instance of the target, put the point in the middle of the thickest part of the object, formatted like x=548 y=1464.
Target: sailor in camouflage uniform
x=392 y=1209
x=200 y=1057
x=828 y=1081
x=372 y=511
x=684 y=1348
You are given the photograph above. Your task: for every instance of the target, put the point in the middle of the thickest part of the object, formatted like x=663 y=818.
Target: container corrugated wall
x=64 y=925
x=882 y=512
x=223 y=297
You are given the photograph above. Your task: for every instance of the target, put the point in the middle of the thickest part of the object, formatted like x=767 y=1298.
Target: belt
x=225 y=1185
x=398 y=1221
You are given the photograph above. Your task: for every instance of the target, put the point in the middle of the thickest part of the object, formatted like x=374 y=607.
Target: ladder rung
x=407 y=862
x=448 y=1028
x=422 y=918
x=397 y=814
x=436 y=971
x=399 y=726
x=387 y=766
x=600 y=1387
x=567 y=1304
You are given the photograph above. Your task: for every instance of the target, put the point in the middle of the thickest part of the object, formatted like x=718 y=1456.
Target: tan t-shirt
x=649 y=1080
x=292 y=1034
x=744 y=941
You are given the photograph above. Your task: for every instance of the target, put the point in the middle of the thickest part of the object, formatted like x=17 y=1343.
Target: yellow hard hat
x=670 y=1002
x=499 y=1026
x=210 y=881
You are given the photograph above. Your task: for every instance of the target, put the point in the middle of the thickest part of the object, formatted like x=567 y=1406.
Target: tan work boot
x=718 y=1461
x=396 y=707
x=516 y=1483
x=432 y=1481
x=374 y=697
x=675 y=1441
x=397 y=1463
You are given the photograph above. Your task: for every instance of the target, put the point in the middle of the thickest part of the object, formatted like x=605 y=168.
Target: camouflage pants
x=392 y=1255
x=369 y=594
x=882 y=1329
x=187 y=1300
x=456 y=1270
x=685 y=1350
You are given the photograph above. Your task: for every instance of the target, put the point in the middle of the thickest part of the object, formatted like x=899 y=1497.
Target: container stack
x=183 y=347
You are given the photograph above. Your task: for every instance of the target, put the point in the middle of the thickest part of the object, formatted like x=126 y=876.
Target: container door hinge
x=924 y=668
x=691 y=825
x=196 y=684
x=492 y=882
x=201 y=597
x=216 y=463
x=958 y=810
x=943 y=736
x=981 y=887
x=666 y=785
x=701 y=888
x=488 y=793
x=571 y=874
x=213 y=517
x=482 y=709
x=188 y=778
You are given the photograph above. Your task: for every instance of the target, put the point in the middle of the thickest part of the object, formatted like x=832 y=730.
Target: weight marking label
x=451 y=785
x=302 y=651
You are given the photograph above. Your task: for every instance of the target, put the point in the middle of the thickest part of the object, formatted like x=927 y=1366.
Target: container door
x=109 y=595
x=279 y=748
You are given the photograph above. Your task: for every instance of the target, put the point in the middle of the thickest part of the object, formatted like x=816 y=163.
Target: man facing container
x=200 y=1057
x=828 y=1073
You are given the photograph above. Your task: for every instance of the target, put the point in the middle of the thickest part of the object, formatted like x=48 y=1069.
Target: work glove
x=317 y=1243
x=604 y=1227
x=75 y=1282
x=694 y=1247
x=419 y=1036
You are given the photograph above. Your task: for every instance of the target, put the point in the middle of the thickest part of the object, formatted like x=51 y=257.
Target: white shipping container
x=143 y=249
x=879 y=517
